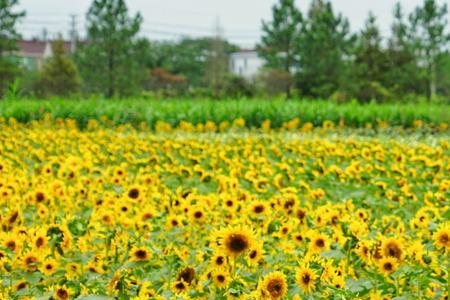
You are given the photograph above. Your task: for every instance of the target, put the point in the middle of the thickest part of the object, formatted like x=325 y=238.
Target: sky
x=171 y=19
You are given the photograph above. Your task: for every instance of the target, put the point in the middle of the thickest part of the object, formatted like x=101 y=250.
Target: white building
x=246 y=63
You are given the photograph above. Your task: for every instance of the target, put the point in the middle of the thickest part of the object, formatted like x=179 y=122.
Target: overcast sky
x=169 y=19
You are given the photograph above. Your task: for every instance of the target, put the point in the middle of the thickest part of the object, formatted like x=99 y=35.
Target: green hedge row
x=135 y=111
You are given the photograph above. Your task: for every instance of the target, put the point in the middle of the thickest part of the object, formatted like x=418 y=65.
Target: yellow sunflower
x=319 y=242
x=274 y=285
x=305 y=278
x=237 y=240
x=62 y=293
x=187 y=275
x=221 y=278
x=392 y=247
x=140 y=254
x=442 y=237
x=388 y=265
x=48 y=267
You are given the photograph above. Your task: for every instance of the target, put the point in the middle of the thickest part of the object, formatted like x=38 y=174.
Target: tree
x=163 y=81
x=404 y=75
x=107 y=61
x=324 y=50
x=59 y=75
x=277 y=45
x=429 y=24
x=371 y=63
x=8 y=42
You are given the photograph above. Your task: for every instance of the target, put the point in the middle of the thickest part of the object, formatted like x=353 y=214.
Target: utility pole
x=73 y=33
x=217 y=62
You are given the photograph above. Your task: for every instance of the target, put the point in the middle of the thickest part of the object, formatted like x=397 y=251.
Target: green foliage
x=404 y=75
x=254 y=112
x=107 y=61
x=323 y=46
x=429 y=28
x=8 y=42
x=278 y=42
x=275 y=82
x=370 y=66
x=237 y=87
x=59 y=76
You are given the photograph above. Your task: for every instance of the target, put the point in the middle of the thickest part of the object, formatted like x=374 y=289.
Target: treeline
x=323 y=59
x=311 y=54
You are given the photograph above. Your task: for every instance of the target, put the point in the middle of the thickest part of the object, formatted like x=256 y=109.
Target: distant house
x=32 y=53
x=246 y=63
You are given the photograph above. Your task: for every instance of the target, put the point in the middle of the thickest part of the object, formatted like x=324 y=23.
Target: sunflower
x=140 y=254
x=236 y=240
x=221 y=278
x=319 y=242
x=48 y=267
x=442 y=237
x=219 y=261
x=40 y=240
x=306 y=278
x=62 y=293
x=187 y=275
x=40 y=196
x=255 y=255
x=30 y=262
x=197 y=214
x=173 y=221
x=22 y=284
x=388 y=265
x=146 y=291
x=180 y=286
x=134 y=192
x=363 y=250
x=392 y=247
x=258 y=208
x=274 y=285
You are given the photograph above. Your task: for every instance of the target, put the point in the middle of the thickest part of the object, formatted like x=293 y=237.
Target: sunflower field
x=216 y=211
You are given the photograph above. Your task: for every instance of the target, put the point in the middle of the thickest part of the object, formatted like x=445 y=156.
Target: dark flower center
x=141 y=254
x=320 y=243
x=40 y=197
x=388 y=266
x=133 y=193
x=237 y=243
x=220 y=260
x=259 y=209
x=275 y=288
x=62 y=294
x=306 y=278
x=187 y=275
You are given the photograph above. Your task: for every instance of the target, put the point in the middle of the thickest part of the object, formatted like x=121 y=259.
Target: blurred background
x=340 y=50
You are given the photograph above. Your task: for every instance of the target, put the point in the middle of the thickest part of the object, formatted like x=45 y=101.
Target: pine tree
x=324 y=48
x=8 y=42
x=404 y=75
x=430 y=28
x=371 y=63
x=59 y=75
x=277 y=46
x=107 y=61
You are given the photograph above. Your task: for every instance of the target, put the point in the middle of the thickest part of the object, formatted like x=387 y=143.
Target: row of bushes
x=254 y=112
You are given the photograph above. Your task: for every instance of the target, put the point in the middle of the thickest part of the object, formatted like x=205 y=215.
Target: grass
x=254 y=112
